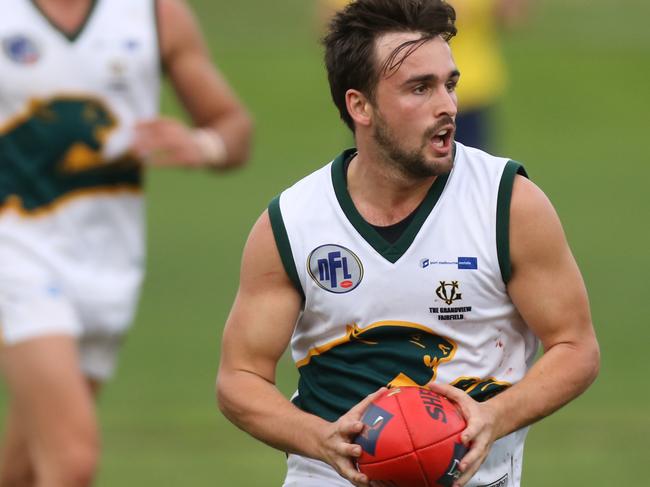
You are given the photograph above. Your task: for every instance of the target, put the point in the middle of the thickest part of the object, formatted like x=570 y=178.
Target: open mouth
x=442 y=139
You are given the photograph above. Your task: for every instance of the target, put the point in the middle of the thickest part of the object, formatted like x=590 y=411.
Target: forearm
x=257 y=407
x=559 y=376
x=236 y=130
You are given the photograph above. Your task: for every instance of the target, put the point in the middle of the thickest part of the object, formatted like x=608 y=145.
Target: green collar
x=71 y=36
x=391 y=252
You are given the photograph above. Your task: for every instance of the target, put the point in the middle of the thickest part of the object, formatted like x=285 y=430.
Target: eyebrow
x=429 y=77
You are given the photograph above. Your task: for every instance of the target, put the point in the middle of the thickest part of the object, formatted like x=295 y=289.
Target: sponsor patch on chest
x=335 y=268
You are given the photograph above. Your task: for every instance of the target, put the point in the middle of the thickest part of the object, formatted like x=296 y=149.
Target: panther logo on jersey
x=399 y=353
x=481 y=389
x=390 y=353
x=73 y=129
x=59 y=142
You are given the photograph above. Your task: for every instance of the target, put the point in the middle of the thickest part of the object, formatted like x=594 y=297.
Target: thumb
x=357 y=411
x=447 y=390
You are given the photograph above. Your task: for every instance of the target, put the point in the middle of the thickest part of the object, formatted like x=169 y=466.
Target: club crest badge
x=448 y=291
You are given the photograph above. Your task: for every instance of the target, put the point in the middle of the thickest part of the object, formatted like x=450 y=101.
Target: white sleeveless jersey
x=433 y=305
x=70 y=193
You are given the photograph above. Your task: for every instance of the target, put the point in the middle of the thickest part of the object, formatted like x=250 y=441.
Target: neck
x=68 y=15
x=382 y=194
x=64 y=4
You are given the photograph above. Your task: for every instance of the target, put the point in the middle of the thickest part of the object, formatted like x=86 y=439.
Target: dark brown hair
x=350 y=42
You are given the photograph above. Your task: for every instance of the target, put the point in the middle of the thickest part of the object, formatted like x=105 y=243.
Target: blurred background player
x=478 y=55
x=78 y=117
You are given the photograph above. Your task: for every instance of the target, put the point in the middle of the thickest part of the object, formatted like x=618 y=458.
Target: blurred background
x=575 y=113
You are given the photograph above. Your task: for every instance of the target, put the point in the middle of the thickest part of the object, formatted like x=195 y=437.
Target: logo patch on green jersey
x=55 y=148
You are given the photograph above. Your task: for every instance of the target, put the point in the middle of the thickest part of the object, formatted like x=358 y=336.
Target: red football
x=411 y=438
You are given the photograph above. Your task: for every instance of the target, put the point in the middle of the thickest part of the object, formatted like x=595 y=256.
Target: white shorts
x=37 y=300
x=502 y=467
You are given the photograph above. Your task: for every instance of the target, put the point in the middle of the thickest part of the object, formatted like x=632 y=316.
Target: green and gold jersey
x=433 y=305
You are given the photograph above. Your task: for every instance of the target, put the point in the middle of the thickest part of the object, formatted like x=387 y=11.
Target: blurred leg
x=16 y=469
x=15 y=463
x=53 y=422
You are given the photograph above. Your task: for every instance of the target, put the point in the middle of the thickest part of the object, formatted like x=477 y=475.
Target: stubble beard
x=411 y=163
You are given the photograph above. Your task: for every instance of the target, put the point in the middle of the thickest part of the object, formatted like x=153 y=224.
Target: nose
x=446 y=102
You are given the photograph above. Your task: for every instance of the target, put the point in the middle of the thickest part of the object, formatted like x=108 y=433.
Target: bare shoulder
x=261 y=262
x=178 y=26
x=528 y=197
x=536 y=233
x=172 y=11
x=260 y=239
x=546 y=284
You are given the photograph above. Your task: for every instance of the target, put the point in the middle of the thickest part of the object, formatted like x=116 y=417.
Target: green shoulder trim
x=503 y=216
x=391 y=252
x=282 y=241
x=71 y=36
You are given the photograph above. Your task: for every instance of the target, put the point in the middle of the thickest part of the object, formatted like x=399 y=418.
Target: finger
x=158 y=158
x=472 y=461
x=360 y=480
x=471 y=432
x=349 y=471
x=144 y=141
x=466 y=405
x=349 y=450
x=145 y=132
x=143 y=125
x=150 y=124
x=350 y=428
x=358 y=409
x=467 y=475
x=472 y=457
x=450 y=392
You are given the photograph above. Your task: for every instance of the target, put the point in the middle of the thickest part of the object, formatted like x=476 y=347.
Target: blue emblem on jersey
x=21 y=49
x=131 y=44
x=335 y=268
x=467 y=263
x=374 y=421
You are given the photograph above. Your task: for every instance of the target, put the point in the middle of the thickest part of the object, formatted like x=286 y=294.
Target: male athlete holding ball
x=411 y=259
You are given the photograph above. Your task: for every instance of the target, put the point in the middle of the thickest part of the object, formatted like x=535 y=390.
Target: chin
x=441 y=165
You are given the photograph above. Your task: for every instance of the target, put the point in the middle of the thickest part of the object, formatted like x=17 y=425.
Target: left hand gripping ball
x=411 y=438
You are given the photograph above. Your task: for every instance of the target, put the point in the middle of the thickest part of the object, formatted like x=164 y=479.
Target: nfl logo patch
x=21 y=49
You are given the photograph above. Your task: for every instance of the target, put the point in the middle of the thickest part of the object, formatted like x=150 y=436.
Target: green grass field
x=576 y=115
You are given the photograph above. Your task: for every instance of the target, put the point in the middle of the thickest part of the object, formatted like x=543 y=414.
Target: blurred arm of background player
x=223 y=130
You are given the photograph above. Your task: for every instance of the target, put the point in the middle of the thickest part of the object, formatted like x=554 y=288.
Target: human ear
x=359 y=107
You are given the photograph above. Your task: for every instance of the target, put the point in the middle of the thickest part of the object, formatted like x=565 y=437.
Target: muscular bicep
x=546 y=284
x=264 y=314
